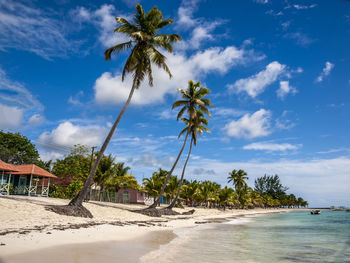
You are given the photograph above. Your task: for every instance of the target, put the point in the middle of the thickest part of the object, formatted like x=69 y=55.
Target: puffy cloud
x=185 y=14
x=10 y=117
x=250 y=125
x=267 y=146
x=285 y=89
x=104 y=20
x=24 y=27
x=109 y=88
x=36 y=119
x=325 y=71
x=257 y=83
x=68 y=134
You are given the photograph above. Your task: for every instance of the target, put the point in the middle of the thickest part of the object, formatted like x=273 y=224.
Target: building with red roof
x=27 y=179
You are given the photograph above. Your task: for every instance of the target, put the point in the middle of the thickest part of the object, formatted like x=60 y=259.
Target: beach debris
x=188 y=212
x=70 y=210
x=49 y=233
x=2 y=244
x=153 y=212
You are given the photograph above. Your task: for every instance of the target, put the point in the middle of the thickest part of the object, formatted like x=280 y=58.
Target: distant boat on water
x=315 y=212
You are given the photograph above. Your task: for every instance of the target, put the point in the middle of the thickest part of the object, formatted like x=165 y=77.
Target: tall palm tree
x=238 y=178
x=144 y=40
x=194 y=127
x=192 y=101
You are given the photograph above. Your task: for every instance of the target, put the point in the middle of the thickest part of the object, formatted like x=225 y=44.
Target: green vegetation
x=210 y=194
x=17 y=149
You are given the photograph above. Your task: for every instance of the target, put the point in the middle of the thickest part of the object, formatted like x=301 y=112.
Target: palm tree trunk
x=182 y=178
x=154 y=205
x=78 y=199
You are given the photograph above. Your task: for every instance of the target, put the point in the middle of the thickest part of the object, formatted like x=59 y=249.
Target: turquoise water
x=289 y=237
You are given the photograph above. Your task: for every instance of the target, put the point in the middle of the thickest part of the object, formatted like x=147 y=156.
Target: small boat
x=315 y=212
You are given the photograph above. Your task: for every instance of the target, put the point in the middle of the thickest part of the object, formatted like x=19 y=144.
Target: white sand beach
x=29 y=231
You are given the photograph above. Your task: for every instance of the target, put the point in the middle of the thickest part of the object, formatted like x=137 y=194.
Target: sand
x=29 y=232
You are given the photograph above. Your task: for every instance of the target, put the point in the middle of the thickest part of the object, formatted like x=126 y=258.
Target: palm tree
x=192 y=100
x=121 y=170
x=153 y=185
x=105 y=170
x=189 y=190
x=238 y=178
x=144 y=39
x=171 y=188
x=194 y=127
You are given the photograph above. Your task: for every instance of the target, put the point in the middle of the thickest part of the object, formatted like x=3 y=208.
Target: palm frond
x=159 y=59
x=164 y=23
x=181 y=112
x=182 y=132
x=116 y=49
x=179 y=103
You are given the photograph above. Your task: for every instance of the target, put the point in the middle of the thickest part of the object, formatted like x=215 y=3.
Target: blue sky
x=278 y=72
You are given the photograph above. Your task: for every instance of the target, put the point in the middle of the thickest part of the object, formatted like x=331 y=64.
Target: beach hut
x=30 y=178
x=26 y=179
x=6 y=168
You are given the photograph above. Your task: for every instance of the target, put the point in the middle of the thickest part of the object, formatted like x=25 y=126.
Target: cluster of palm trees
x=212 y=195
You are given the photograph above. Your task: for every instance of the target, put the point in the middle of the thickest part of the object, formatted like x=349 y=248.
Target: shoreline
x=29 y=238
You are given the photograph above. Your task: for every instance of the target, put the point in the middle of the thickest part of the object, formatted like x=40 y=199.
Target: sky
x=278 y=71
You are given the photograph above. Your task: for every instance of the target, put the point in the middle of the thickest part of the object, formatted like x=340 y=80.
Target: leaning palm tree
x=192 y=100
x=238 y=178
x=194 y=127
x=144 y=40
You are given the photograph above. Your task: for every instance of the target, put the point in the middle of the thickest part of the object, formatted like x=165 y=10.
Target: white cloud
x=303 y=7
x=250 y=125
x=13 y=93
x=109 y=88
x=167 y=114
x=36 y=119
x=185 y=14
x=267 y=146
x=68 y=134
x=10 y=117
x=104 y=20
x=325 y=71
x=16 y=102
x=285 y=89
x=283 y=122
x=257 y=83
x=261 y=1
x=24 y=27
x=227 y=112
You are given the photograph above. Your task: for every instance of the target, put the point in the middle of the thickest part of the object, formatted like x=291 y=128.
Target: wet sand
x=128 y=251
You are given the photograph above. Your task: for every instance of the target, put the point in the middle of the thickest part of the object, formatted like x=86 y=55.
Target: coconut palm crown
x=193 y=100
x=144 y=41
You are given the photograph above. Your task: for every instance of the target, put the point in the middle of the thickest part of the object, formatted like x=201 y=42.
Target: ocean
x=288 y=237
